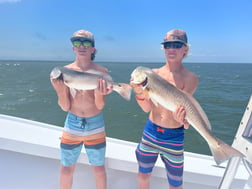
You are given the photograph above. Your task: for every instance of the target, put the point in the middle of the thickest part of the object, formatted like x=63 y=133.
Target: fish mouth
x=145 y=82
x=142 y=83
x=56 y=73
x=138 y=76
x=135 y=81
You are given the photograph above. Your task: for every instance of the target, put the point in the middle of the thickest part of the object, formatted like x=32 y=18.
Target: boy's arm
x=63 y=94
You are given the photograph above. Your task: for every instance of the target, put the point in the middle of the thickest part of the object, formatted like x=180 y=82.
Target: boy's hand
x=179 y=115
x=103 y=88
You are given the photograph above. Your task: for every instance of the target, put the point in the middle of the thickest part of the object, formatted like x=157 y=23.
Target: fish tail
x=223 y=152
x=123 y=89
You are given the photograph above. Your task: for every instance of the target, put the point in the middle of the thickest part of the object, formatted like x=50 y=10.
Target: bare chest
x=83 y=97
x=177 y=81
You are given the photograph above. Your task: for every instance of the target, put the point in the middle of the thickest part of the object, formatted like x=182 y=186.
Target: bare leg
x=100 y=177
x=144 y=180
x=66 y=177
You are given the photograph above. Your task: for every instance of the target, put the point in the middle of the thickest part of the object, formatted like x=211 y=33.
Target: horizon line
x=107 y=61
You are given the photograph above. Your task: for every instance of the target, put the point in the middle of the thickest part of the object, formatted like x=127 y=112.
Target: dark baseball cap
x=175 y=35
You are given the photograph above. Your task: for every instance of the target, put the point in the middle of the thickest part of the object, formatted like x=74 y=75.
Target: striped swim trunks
x=169 y=143
x=88 y=131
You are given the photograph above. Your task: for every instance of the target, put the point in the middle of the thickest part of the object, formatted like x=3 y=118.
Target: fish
x=88 y=80
x=163 y=93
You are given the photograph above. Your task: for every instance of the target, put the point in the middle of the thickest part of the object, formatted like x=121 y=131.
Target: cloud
x=10 y=1
x=39 y=35
x=109 y=38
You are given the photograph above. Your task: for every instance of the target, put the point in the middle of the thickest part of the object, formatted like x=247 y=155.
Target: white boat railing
x=243 y=143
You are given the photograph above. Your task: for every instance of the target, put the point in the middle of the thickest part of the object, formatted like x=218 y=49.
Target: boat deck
x=30 y=158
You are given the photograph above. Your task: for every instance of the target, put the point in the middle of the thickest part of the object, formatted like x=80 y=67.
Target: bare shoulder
x=156 y=70
x=71 y=66
x=190 y=74
x=191 y=81
x=100 y=68
x=163 y=72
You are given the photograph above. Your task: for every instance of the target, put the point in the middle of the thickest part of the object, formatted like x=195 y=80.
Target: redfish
x=161 y=92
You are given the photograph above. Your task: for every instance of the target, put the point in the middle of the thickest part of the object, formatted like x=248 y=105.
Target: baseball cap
x=175 y=35
x=83 y=35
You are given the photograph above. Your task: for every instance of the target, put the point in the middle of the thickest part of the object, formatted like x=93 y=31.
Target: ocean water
x=223 y=92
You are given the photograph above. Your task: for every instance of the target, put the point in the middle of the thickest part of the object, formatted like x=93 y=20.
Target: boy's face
x=83 y=47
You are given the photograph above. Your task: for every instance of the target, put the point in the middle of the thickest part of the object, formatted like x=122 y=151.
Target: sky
x=126 y=30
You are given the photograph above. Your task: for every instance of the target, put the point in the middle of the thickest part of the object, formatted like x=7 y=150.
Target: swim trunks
x=88 y=131
x=169 y=143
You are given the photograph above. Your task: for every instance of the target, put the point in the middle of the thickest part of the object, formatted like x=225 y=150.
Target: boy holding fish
x=164 y=131
x=84 y=123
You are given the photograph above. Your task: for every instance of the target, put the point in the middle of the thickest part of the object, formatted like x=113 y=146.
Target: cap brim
x=81 y=38
x=174 y=41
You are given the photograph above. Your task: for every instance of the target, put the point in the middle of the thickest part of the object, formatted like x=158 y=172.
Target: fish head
x=139 y=75
x=55 y=73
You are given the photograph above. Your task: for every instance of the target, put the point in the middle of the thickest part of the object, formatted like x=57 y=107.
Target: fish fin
x=123 y=89
x=201 y=111
x=223 y=152
x=73 y=92
x=146 y=95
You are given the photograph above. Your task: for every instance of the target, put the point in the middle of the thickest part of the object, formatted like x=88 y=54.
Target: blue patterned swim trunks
x=166 y=142
x=88 y=131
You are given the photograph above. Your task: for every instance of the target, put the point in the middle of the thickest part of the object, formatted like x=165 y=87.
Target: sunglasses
x=175 y=45
x=78 y=43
